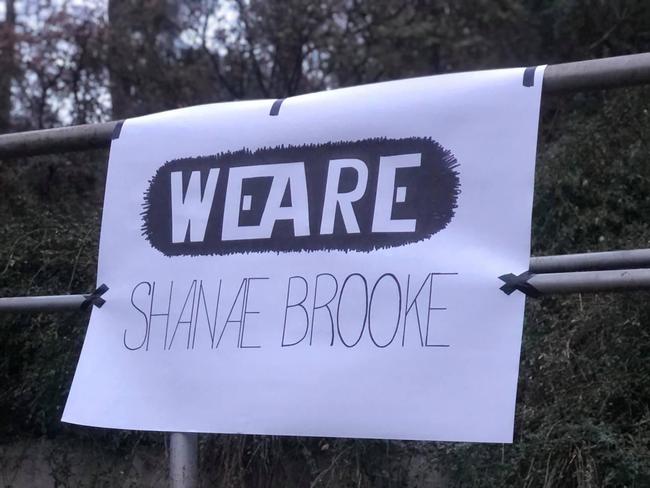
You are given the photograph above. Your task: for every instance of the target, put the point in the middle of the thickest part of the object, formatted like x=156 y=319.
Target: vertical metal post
x=183 y=460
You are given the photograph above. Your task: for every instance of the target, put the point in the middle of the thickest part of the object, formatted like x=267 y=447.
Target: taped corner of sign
x=117 y=130
x=529 y=76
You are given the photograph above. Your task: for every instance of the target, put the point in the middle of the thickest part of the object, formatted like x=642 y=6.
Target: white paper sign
x=326 y=265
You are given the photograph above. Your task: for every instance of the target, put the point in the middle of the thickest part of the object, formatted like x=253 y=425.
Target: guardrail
x=590 y=272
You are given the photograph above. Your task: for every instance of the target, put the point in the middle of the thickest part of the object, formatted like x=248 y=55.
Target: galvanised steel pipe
x=591 y=281
x=183 y=460
x=59 y=140
x=53 y=303
x=602 y=73
x=635 y=258
x=619 y=71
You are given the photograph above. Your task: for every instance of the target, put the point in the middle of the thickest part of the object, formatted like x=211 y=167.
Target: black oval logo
x=351 y=196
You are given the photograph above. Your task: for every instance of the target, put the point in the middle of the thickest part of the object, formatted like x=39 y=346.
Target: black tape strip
x=275 y=108
x=95 y=298
x=529 y=76
x=117 y=129
x=519 y=282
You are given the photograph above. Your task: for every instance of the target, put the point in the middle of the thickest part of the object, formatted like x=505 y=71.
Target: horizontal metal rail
x=613 y=72
x=597 y=74
x=52 y=303
x=591 y=281
x=59 y=140
x=545 y=283
x=593 y=261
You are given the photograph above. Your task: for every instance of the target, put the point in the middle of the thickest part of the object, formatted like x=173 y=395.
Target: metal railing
x=558 y=78
x=591 y=272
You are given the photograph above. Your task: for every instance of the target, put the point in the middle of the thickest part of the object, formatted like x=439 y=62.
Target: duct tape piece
x=275 y=108
x=117 y=130
x=521 y=283
x=529 y=76
x=95 y=298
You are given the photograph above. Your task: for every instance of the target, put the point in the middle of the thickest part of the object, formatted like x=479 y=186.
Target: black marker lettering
x=146 y=319
x=293 y=305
